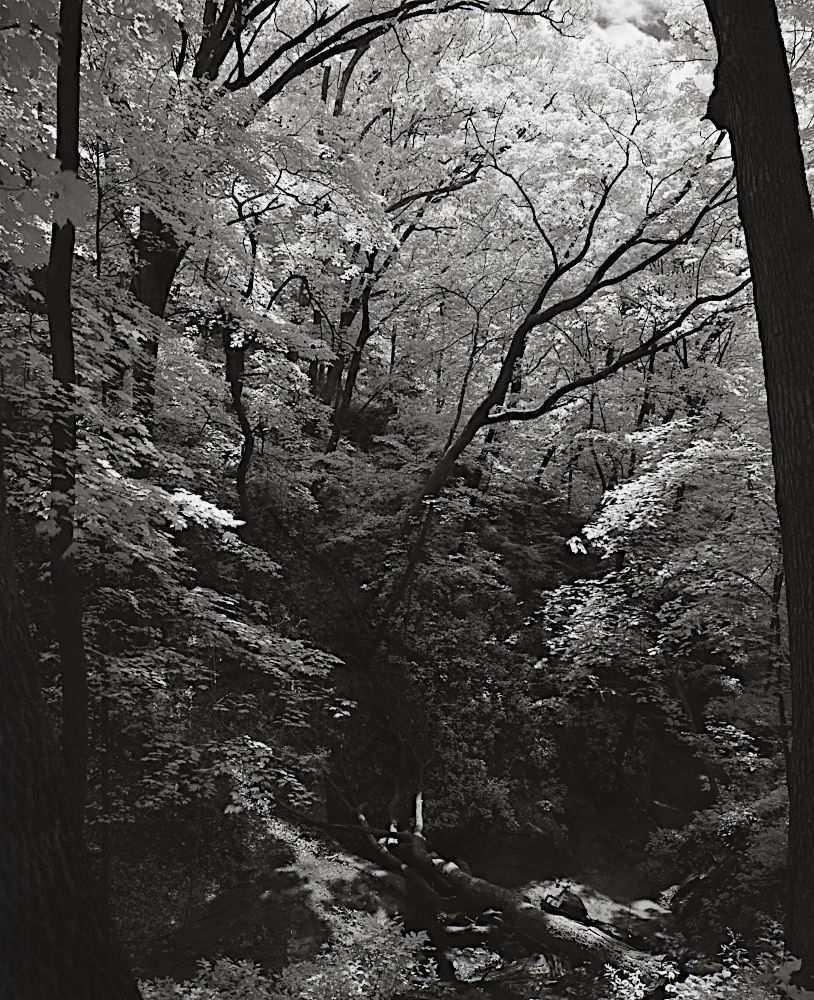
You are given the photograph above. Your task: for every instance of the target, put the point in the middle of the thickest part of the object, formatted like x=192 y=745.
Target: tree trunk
x=437 y=479
x=333 y=380
x=235 y=365
x=57 y=942
x=560 y=934
x=345 y=396
x=159 y=256
x=67 y=605
x=552 y=931
x=753 y=101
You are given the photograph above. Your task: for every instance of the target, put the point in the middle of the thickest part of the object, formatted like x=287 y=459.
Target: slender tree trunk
x=496 y=436
x=159 y=257
x=235 y=364
x=753 y=101
x=56 y=942
x=105 y=832
x=401 y=588
x=345 y=396
x=474 y=350
x=497 y=394
x=333 y=380
x=64 y=576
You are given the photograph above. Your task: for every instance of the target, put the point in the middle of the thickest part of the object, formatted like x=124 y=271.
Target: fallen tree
x=406 y=852
x=442 y=885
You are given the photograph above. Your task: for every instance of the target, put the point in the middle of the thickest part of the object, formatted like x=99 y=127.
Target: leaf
x=73 y=199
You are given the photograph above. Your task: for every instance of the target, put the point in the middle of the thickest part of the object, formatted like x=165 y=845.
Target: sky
x=626 y=19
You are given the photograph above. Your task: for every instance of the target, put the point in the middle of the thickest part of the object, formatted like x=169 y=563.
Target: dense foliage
x=422 y=447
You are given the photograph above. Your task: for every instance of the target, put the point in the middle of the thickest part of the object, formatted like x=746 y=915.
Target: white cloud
x=643 y=14
x=618 y=11
x=622 y=33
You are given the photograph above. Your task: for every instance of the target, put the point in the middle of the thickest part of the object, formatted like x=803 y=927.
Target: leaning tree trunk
x=554 y=932
x=754 y=102
x=56 y=941
x=64 y=577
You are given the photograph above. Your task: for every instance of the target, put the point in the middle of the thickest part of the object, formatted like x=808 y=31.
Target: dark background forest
x=389 y=516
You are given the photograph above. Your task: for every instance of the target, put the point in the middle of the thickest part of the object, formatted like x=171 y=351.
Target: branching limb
x=658 y=341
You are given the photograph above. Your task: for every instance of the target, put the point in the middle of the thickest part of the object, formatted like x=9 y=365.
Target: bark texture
x=235 y=366
x=550 y=931
x=159 y=257
x=64 y=577
x=754 y=102
x=56 y=942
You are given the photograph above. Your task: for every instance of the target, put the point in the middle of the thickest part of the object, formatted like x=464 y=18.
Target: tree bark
x=57 y=942
x=159 y=257
x=345 y=395
x=235 y=365
x=65 y=582
x=754 y=102
x=435 y=879
x=555 y=932
x=561 y=934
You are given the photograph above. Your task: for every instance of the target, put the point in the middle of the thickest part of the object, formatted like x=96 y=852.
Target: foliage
x=368 y=243
x=371 y=956
x=220 y=980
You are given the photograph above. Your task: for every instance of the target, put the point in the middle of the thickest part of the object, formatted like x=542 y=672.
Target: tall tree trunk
x=345 y=396
x=159 y=256
x=57 y=942
x=443 y=468
x=753 y=101
x=235 y=365
x=64 y=577
x=779 y=660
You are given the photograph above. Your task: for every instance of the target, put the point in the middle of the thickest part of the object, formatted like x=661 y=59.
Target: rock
x=557 y=896
x=567 y=902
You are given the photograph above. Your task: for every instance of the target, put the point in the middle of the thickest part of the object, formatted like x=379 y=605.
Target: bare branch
x=656 y=342
x=433 y=194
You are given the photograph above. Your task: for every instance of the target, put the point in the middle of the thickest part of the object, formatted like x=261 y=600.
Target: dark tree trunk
x=159 y=256
x=345 y=396
x=64 y=577
x=158 y=249
x=443 y=468
x=235 y=365
x=333 y=380
x=753 y=101
x=56 y=941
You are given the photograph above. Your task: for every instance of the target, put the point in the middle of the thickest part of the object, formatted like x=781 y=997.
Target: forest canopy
x=390 y=517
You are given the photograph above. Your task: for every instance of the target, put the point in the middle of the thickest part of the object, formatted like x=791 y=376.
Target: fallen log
x=432 y=878
x=558 y=933
x=553 y=931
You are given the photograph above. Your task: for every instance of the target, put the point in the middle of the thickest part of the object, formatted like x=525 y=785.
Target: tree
x=753 y=101
x=58 y=277
x=636 y=204
x=259 y=52
x=367 y=250
x=57 y=941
